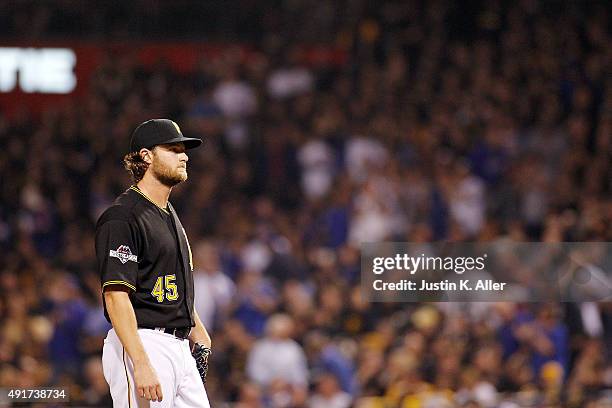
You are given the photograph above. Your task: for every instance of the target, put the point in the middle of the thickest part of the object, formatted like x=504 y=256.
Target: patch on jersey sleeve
x=123 y=253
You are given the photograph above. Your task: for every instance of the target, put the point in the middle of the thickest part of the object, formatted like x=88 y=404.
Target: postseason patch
x=123 y=253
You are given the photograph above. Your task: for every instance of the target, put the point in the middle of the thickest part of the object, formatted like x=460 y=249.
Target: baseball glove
x=201 y=354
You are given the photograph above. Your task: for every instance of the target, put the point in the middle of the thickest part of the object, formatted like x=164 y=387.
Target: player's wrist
x=199 y=346
x=206 y=344
x=141 y=361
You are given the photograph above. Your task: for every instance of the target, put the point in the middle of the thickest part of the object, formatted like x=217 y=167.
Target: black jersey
x=145 y=248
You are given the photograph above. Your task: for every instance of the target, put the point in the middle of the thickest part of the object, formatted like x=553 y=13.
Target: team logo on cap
x=123 y=253
x=178 y=129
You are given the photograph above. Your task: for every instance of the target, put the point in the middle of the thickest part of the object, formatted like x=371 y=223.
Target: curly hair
x=135 y=165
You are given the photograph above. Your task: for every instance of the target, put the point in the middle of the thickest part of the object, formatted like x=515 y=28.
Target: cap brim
x=190 y=142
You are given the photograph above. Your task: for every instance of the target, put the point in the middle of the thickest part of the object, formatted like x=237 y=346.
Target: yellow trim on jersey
x=189 y=248
x=119 y=282
x=136 y=189
x=127 y=377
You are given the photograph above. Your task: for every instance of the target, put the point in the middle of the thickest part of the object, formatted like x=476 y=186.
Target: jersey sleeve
x=117 y=253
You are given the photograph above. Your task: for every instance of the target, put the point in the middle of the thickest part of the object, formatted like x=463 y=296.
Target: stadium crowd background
x=447 y=123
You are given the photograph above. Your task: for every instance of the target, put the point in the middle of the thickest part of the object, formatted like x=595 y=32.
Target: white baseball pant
x=175 y=367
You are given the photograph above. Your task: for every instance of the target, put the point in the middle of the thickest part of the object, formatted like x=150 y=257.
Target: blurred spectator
x=98 y=393
x=235 y=98
x=317 y=161
x=68 y=313
x=279 y=363
x=237 y=101
x=467 y=201
x=290 y=79
x=250 y=396
x=214 y=290
x=546 y=338
x=329 y=394
x=95 y=326
x=256 y=298
x=326 y=357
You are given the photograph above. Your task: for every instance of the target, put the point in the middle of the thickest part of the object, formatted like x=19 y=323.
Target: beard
x=168 y=176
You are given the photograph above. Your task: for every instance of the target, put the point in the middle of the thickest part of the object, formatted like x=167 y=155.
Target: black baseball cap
x=160 y=131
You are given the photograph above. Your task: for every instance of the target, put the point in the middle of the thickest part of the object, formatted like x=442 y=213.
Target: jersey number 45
x=165 y=288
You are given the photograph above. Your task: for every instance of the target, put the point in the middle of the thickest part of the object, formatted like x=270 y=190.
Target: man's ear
x=146 y=155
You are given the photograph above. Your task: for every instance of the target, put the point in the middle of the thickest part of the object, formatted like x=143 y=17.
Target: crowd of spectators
x=438 y=128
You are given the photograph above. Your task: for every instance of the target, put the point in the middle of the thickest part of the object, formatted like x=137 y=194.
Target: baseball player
x=145 y=262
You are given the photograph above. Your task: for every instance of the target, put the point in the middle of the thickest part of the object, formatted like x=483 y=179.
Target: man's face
x=169 y=163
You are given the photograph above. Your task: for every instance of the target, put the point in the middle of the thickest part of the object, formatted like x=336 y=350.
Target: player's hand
x=147 y=384
x=201 y=353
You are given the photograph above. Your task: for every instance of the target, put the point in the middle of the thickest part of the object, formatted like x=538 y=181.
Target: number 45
x=168 y=282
